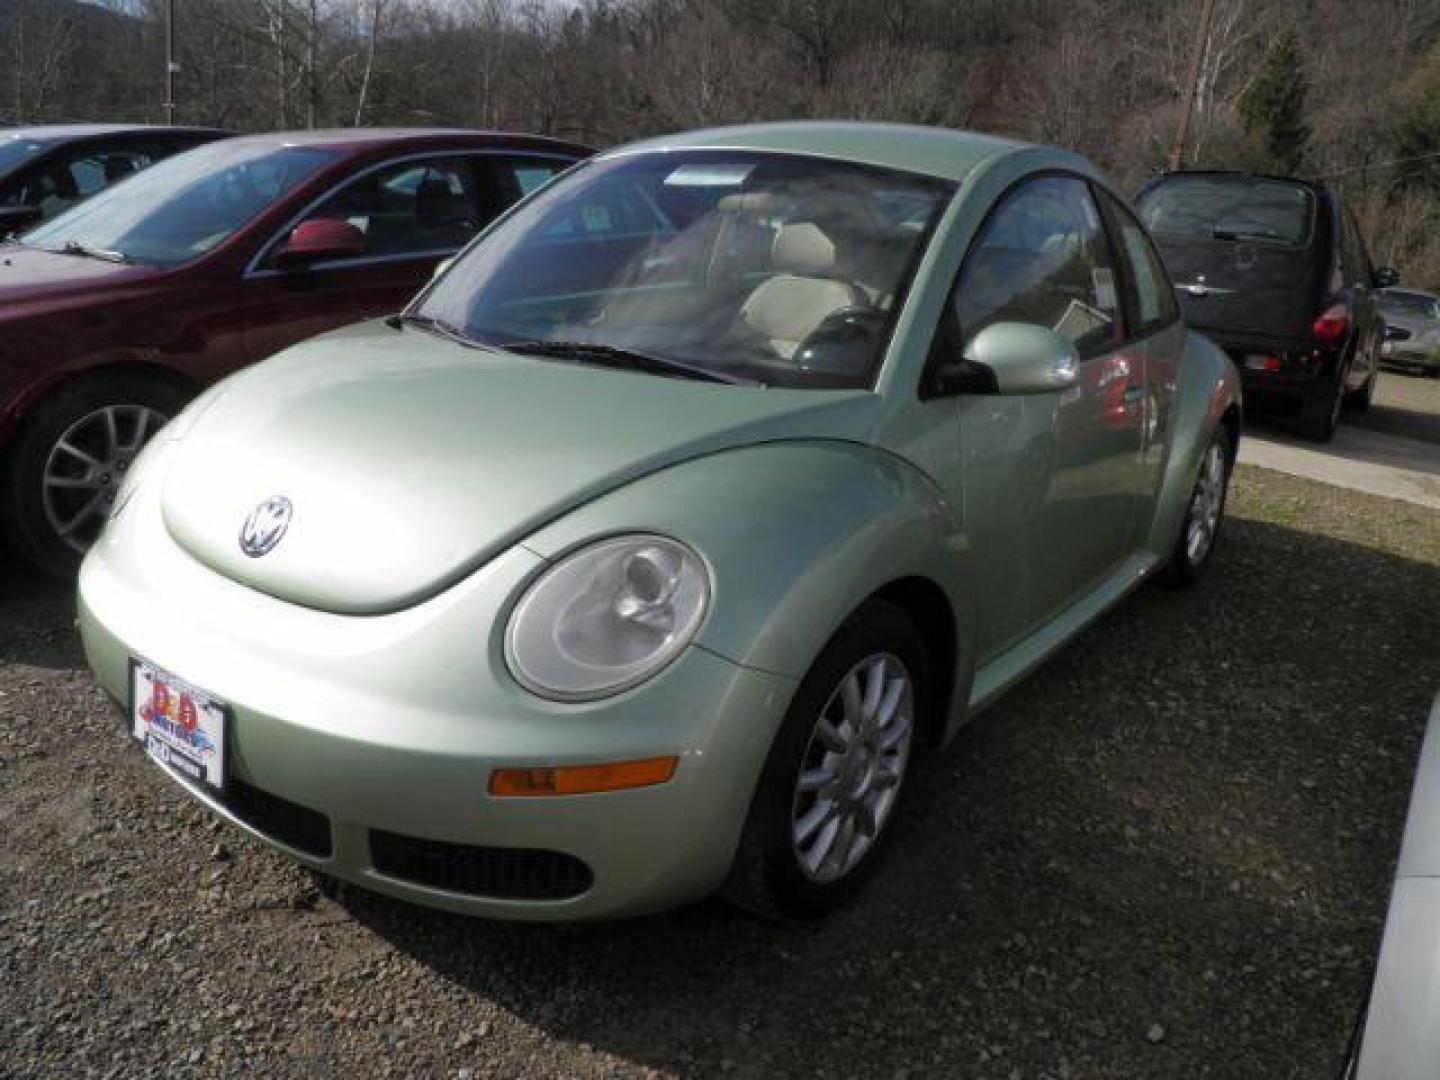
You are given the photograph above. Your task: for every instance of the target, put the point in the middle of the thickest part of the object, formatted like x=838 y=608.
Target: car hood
x=408 y=461
x=29 y=275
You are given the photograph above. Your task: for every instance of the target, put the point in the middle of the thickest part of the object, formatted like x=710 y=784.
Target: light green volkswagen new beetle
x=656 y=544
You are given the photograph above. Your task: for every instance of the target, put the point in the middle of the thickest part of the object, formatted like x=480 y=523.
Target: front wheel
x=1204 y=515
x=65 y=466
x=836 y=771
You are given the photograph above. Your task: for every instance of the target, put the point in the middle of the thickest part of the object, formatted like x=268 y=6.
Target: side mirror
x=320 y=240
x=16 y=219
x=1013 y=358
x=1385 y=276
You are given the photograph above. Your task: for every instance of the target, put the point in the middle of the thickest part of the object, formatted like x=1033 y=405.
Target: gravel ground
x=1168 y=854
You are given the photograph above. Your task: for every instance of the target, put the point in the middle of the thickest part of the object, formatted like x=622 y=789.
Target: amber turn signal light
x=582 y=779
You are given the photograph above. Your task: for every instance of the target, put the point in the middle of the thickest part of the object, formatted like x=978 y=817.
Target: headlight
x=607 y=617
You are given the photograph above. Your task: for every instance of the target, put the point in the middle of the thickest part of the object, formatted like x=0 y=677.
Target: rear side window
x=1201 y=207
x=1148 y=286
x=516 y=177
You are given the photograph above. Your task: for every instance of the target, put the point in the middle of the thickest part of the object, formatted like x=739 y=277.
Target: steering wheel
x=843 y=343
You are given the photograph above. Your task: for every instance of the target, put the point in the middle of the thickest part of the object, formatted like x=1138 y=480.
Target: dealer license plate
x=178 y=725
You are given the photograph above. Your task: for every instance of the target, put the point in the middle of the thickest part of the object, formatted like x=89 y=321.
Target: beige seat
x=788 y=307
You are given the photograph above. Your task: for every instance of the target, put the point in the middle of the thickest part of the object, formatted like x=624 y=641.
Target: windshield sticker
x=1104 y=281
x=709 y=175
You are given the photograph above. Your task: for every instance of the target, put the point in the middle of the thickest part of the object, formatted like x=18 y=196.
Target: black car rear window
x=1230 y=208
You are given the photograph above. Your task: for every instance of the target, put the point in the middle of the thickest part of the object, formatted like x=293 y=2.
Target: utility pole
x=1177 y=149
x=171 y=67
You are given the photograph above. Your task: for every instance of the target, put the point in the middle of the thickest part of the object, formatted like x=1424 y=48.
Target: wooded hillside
x=1348 y=89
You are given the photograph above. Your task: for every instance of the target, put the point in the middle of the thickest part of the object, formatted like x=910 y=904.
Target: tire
x=1204 y=515
x=780 y=868
x=1358 y=401
x=61 y=472
x=1320 y=413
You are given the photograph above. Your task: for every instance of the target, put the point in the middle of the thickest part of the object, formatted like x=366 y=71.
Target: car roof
x=942 y=152
x=55 y=134
x=355 y=140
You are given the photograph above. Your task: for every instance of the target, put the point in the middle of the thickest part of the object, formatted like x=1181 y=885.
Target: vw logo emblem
x=265 y=526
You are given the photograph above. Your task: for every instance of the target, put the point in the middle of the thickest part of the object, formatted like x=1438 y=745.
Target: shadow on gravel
x=1167 y=853
x=37 y=618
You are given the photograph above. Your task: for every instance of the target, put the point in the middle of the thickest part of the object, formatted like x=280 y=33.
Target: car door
x=410 y=214
x=1158 y=340
x=1048 y=480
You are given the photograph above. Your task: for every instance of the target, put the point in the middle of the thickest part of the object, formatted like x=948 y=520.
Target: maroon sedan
x=118 y=311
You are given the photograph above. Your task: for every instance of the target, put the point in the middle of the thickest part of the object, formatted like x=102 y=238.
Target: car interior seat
x=786 y=308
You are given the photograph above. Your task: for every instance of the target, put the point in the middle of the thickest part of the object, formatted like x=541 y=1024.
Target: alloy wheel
x=853 y=767
x=1205 y=505
x=86 y=466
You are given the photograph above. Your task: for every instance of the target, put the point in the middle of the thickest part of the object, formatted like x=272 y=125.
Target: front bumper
x=387 y=728
x=1410 y=356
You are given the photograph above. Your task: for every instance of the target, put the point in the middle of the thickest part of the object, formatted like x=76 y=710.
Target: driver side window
x=1043 y=258
x=409 y=208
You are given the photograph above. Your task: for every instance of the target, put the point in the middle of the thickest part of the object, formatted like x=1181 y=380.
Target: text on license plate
x=177 y=724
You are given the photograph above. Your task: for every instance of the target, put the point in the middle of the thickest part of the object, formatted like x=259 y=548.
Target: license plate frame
x=187 y=731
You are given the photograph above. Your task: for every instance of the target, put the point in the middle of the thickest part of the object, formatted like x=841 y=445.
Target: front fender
x=797 y=535
x=1207 y=387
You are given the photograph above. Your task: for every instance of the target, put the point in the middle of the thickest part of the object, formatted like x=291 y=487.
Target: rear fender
x=1208 y=388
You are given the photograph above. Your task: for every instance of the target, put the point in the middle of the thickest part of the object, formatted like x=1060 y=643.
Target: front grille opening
x=296 y=826
x=501 y=873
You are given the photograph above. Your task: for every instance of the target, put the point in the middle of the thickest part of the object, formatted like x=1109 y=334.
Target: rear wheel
x=1357 y=401
x=836 y=772
x=1204 y=515
x=1320 y=413
x=69 y=459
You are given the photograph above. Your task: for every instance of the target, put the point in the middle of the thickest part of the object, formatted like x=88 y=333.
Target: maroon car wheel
x=64 y=468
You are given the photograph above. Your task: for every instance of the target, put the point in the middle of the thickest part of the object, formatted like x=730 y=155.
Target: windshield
x=185 y=206
x=1230 y=208
x=1427 y=307
x=15 y=152
x=762 y=267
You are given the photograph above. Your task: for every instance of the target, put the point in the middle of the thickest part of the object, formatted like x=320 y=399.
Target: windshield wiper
x=74 y=247
x=432 y=325
x=1237 y=234
x=624 y=359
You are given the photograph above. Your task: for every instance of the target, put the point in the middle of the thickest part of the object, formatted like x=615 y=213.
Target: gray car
x=1412 y=330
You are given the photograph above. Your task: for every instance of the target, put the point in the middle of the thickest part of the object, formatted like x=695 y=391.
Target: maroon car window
x=98 y=170
x=1043 y=258
x=518 y=177
x=410 y=208
x=188 y=205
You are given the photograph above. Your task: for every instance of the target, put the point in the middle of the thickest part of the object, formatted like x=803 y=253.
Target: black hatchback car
x=1274 y=269
x=45 y=170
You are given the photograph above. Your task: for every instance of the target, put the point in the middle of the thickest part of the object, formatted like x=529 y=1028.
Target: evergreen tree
x=1272 y=108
